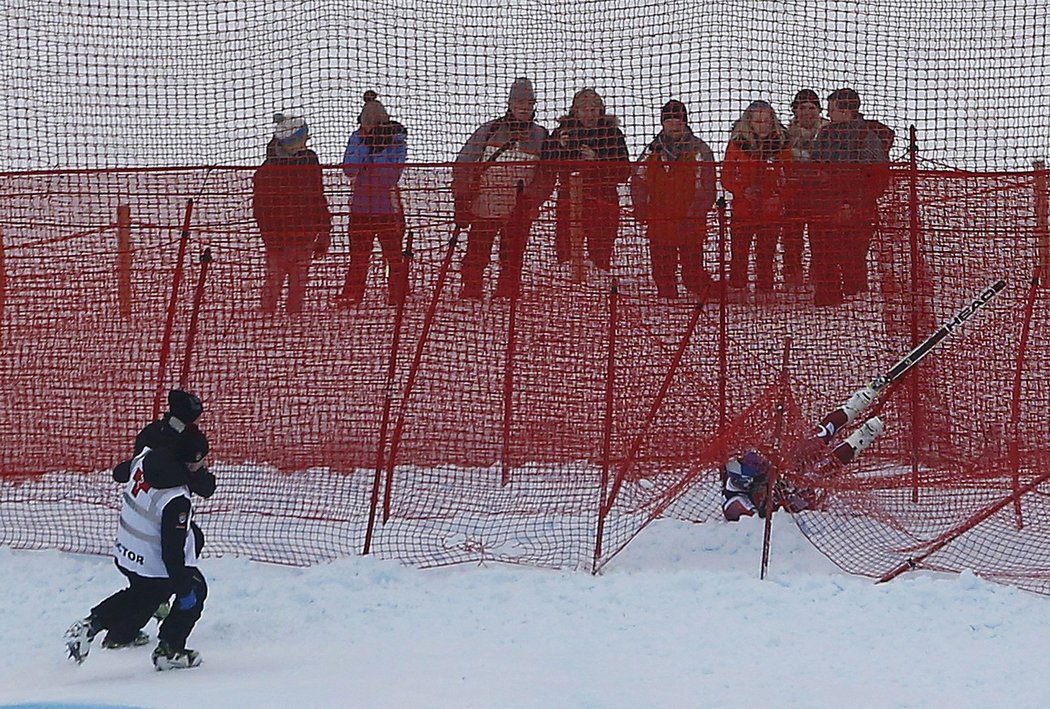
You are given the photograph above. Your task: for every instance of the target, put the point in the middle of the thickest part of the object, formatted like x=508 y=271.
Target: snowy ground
x=680 y=619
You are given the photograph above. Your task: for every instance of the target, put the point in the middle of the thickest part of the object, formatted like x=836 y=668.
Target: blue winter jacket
x=375 y=163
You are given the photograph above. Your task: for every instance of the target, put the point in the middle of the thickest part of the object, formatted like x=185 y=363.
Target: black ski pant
x=126 y=612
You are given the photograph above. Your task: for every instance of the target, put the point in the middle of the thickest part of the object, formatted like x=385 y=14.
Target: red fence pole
x=124 y=260
x=1042 y=224
x=508 y=388
x=958 y=530
x=913 y=386
x=610 y=384
x=388 y=395
x=1013 y=442
x=191 y=336
x=778 y=434
x=417 y=358
x=636 y=444
x=723 y=329
x=723 y=320
x=3 y=283
x=169 y=324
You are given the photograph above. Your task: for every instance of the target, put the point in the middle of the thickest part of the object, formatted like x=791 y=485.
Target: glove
x=122 y=472
x=187 y=601
x=162 y=611
x=202 y=482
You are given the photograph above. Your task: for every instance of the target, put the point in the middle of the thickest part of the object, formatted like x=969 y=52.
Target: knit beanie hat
x=521 y=90
x=184 y=406
x=674 y=109
x=373 y=111
x=289 y=129
x=805 y=96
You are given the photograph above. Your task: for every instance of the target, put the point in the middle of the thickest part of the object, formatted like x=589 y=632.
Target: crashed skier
x=745 y=477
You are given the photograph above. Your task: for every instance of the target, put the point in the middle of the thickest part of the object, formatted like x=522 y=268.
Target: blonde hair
x=583 y=96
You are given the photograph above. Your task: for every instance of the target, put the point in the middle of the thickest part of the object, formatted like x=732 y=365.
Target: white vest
x=138 y=547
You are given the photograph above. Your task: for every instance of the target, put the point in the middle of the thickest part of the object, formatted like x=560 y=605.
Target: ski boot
x=166 y=657
x=860 y=400
x=859 y=440
x=79 y=637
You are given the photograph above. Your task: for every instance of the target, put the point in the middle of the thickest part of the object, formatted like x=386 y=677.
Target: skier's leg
x=185 y=612
x=846 y=414
x=126 y=612
x=858 y=441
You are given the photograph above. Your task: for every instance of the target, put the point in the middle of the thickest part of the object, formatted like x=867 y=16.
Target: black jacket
x=157 y=435
x=562 y=156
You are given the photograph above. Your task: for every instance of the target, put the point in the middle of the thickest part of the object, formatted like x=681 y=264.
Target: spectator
x=851 y=163
x=374 y=160
x=494 y=191
x=589 y=159
x=753 y=172
x=798 y=212
x=886 y=136
x=291 y=211
x=672 y=189
x=156 y=553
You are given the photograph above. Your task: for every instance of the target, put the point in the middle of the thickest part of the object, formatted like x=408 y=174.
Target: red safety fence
x=545 y=428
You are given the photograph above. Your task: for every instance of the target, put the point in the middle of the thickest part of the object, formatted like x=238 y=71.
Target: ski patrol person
x=156 y=551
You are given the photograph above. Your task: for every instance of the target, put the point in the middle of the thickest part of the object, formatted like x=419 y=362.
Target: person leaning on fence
x=156 y=552
x=374 y=160
x=588 y=155
x=805 y=123
x=496 y=194
x=291 y=210
x=672 y=190
x=851 y=172
x=753 y=171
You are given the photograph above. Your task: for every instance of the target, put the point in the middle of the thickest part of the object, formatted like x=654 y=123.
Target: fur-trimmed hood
x=761 y=148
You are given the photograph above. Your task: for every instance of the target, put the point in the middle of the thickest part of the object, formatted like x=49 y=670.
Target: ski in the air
x=848 y=412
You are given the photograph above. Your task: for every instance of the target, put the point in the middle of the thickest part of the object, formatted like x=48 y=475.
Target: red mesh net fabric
x=552 y=427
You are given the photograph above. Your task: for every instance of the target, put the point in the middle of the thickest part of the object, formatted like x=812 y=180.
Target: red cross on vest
x=140 y=483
